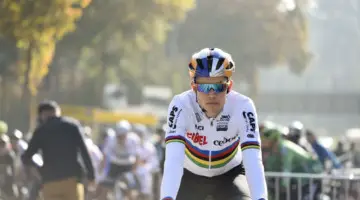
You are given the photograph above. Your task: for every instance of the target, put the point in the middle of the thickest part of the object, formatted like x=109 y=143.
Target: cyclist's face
x=211 y=94
x=121 y=138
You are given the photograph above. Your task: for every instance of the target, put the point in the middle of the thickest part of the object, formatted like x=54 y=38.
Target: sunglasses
x=207 y=87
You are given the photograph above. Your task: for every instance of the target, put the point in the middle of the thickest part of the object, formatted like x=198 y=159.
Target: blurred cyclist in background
x=148 y=162
x=120 y=156
x=297 y=133
x=7 y=168
x=95 y=153
x=286 y=156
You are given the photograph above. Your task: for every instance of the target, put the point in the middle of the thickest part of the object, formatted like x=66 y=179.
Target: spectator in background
x=355 y=155
x=60 y=139
x=160 y=149
x=340 y=149
x=322 y=153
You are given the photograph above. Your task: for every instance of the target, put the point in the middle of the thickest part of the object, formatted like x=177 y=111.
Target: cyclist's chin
x=213 y=110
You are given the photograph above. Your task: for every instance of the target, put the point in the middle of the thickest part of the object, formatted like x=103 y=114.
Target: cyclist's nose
x=212 y=93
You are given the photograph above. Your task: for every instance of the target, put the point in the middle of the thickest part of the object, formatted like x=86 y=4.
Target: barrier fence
x=304 y=186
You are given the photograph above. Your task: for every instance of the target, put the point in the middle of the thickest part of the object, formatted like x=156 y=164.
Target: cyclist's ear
x=193 y=86
x=230 y=84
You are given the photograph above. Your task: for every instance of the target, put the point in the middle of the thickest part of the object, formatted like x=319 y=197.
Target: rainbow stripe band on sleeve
x=250 y=145
x=175 y=138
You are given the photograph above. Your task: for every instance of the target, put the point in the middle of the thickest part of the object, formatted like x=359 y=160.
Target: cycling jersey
x=95 y=155
x=292 y=158
x=121 y=154
x=148 y=163
x=148 y=157
x=212 y=146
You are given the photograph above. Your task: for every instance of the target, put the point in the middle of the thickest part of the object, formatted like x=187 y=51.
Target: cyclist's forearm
x=255 y=173
x=102 y=163
x=173 y=170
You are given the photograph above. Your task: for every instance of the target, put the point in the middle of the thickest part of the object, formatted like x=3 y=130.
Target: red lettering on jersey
x=197 y=138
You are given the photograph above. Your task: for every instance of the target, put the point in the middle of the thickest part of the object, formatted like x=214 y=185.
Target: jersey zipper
x=211 y=125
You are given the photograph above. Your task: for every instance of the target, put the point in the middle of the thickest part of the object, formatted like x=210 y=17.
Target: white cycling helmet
x=211 y=62
x=297 y=125
x=122 y=127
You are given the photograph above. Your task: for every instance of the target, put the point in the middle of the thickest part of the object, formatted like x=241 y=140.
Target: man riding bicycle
x=7 y=162
x=148 y=162
x=286 y=156
x=120 y=156
x=212 y=137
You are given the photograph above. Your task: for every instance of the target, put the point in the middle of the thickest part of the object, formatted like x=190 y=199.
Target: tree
x=36 y=26
x=254 y=32
x=115 y=36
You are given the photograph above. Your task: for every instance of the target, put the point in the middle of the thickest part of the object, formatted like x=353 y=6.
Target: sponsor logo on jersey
x=249 y=121
x=222 y=127
x=225 y=118
x=222 y=123
x=199 y=127
x=225 y=140
x=197 y=138
x=173 y=117
x=198 y=117
x=250 y=135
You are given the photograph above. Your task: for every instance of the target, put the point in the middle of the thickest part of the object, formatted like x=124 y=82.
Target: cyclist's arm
x=250 y=146
x=106 y=152
x=11 y=161
x=33 y=147
x=152 y=162
x=175 y=150
x=335 y=161
x=287 y=164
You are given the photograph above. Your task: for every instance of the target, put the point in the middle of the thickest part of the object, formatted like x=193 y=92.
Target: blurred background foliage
x=69 y=50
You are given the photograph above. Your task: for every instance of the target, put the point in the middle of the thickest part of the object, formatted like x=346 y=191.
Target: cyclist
x=18 y=146
x=296 y=135
x=148 y=162
x=212 y=135
x=94 y=151
x=7 y=166
x=104 y=134
x=120 y=155
x=286 y=156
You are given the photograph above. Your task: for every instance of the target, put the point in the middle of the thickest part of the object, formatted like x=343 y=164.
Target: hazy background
x=298 y=59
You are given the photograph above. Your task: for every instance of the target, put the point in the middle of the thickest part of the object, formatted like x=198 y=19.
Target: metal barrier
x=301 y=186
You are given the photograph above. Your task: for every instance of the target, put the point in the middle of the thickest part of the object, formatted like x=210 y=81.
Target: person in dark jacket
x=60 y=140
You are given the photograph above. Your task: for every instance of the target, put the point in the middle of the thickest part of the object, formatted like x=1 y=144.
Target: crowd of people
x=127 y=159
x=124 y=160
x=295 y=149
